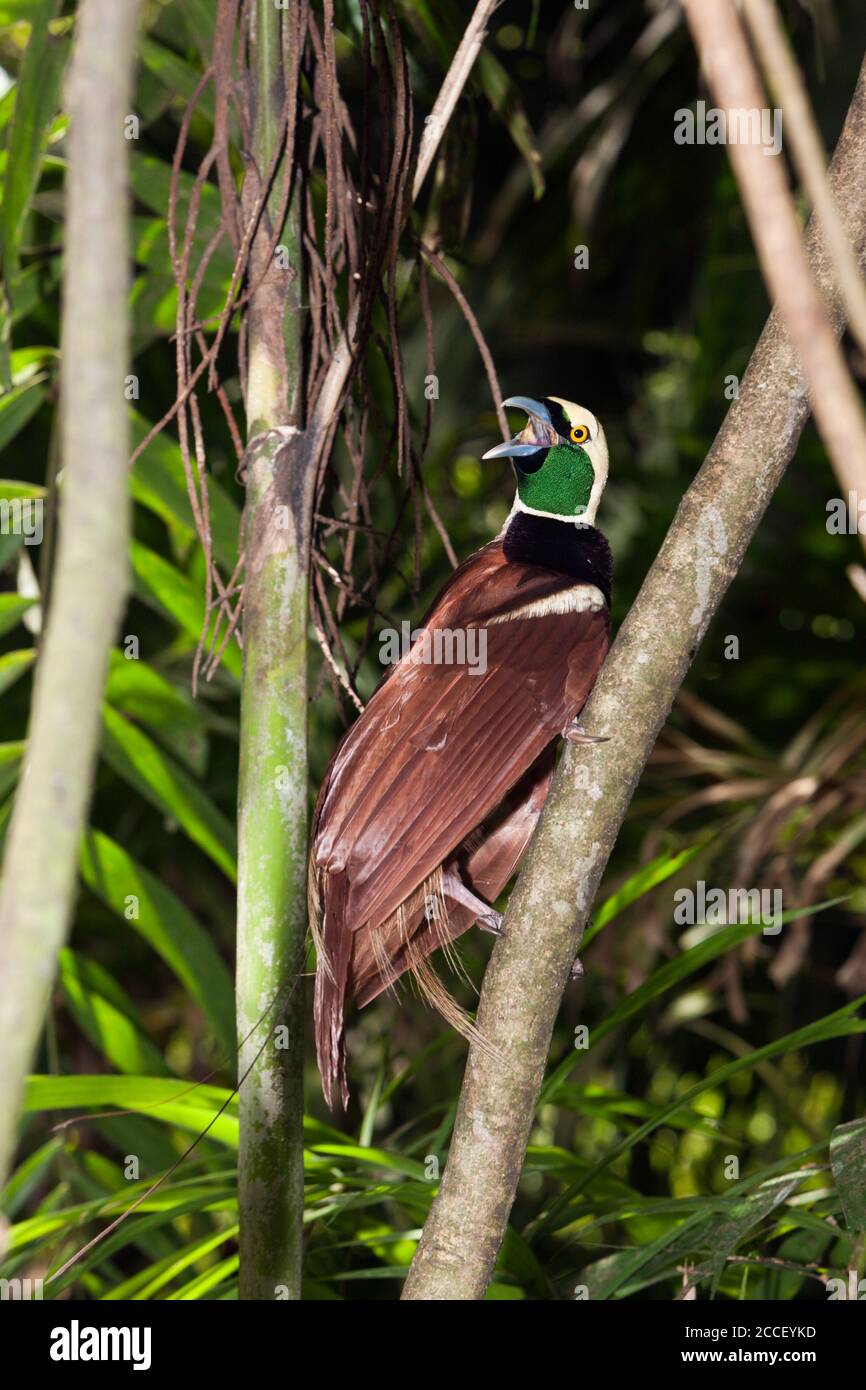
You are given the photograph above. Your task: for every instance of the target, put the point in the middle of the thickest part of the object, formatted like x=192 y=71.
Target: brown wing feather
x=485 y=862
x=438 y=748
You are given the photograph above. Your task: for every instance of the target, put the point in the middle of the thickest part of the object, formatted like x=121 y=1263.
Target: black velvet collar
x=579 y=551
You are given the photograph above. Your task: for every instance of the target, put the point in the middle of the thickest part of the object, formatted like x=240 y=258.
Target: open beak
x=538 y=433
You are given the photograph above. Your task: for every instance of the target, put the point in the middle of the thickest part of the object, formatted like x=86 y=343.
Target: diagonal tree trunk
x=646 y=666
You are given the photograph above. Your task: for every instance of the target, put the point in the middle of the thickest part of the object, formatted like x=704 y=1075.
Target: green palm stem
x=272 y=813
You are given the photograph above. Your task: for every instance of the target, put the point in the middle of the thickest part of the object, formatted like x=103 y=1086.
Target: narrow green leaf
x=440 y=26
x=158 y=483
x=17 y=408
x=723 y=1235
x=199 y=16
x=176 y=75
x=10 y=488
x=143 y=1224
x=167 y=926
x=189 y=1105
x=717 y=1224
x=518 y=1259
x=848 y=1161
x=138 y=760
x=35 y=105
x=143 y=694
x=120 y=1039
x=674 y=971
x=605 y=1276
x=13 y=665
x=176 y=596
x=505 y=99
x=646 y=878
x=377 y=1158
x=20 y=11
x=148 y=1282
x=153 y=300
x=10 y=761
x=151 y=183
x=34 y=285
x=10 y=545
x=663 y=979
x=21 y=519
x=206 y=1283
x=503 y=1293
x=612 y=1105
x=12 y=610
x=839 y=1024
x=27 y=1176
x=368 y=1124
x=171 y=1200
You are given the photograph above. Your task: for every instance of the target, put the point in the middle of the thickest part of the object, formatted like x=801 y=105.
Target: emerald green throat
x=561 y=485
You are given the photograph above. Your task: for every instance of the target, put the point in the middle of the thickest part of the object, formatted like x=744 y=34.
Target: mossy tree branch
x=594 y=785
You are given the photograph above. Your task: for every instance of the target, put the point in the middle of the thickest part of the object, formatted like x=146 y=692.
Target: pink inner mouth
x=539 y=432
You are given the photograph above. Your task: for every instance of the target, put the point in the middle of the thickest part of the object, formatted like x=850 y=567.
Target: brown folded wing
x=439 y=746
x=485 y=863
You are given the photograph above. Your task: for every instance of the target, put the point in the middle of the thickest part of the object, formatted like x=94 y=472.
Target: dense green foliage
x=704 y=1044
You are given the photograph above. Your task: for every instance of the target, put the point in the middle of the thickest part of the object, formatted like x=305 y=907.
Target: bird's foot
x=576 y=733
x=487 y=917
x=491 y=921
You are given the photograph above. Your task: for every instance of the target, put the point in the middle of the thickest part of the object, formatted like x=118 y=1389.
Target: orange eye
x=579 y=434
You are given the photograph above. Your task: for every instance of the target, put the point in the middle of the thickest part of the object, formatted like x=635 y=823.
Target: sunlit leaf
x=13 y=665
x=28 y=1175
x=439 y=24
x=12 y=610
x=147 y=1282
x=111 y=1030
x=377 y=1158
x=189 y=1105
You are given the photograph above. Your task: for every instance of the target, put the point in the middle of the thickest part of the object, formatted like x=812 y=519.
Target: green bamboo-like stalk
x=280 y=464
x=272 y=816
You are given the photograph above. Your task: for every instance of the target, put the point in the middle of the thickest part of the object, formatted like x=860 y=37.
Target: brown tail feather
x=361 y=964
x=436 y=995
x=333 y=947
x=405 y=940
